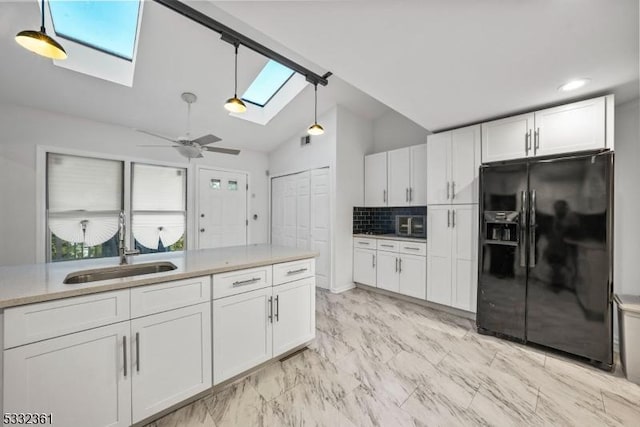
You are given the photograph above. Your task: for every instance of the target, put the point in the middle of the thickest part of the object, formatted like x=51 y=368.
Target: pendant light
x=235 y=104
x=39 y=42
x=315 y=128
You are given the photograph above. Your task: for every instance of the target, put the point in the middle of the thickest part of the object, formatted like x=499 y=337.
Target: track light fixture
x=39 y=42
x=235 y=104
x=315 y=128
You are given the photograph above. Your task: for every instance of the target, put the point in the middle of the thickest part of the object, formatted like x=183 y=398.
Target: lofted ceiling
x=174 y=55
x=444 y=63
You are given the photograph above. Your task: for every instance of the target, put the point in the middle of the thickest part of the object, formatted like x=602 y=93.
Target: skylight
x=270 y=80
x=106 y=25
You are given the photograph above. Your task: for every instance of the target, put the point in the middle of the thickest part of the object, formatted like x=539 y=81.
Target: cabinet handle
x=245 y=282
x=124 y=355
x=384 y=196
x=300 y=270
x=270 y=316
x=137 y=351
x=453 y=190
x=406 y=194
x=364 y=243
x=410 y=194
x=277 y=308
x=536 y=145
x=411 y=248
x=453 y=218
x=448 y=218
x=396 y=265
x=447 y=190
x=373 y=261
x=400 y=266
x=386 y=246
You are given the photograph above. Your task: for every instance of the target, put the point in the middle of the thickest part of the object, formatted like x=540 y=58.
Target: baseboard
x=344 y=289
x=429 y=304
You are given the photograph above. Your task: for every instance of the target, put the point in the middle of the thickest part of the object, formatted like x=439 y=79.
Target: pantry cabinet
x=452 y=255
x=579 y=126
x=453 y=160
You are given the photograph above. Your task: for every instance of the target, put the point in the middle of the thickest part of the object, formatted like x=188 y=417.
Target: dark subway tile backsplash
x=381 y=220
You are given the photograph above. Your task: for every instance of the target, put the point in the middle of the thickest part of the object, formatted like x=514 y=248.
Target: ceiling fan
x=185 y=145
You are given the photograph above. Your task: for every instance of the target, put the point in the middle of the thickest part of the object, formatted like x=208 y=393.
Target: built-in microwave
x=411 y=225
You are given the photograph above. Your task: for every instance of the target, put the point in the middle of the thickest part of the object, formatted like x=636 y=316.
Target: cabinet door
x=375 y=180
x=83 y=379
x=413 y=276
x=399 y=176
x=505 y=139
x=364 y=266
x=171 y=358
x=438 y=165
x=439 y=254
x=242 y=335
x=465 y=162
x=464 y=253
x=575 y=127
x=418 y=189
x=294 y=314
x=387 y=271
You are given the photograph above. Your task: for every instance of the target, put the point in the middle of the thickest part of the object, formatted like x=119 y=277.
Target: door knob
x=201 y=215
x=202 y=230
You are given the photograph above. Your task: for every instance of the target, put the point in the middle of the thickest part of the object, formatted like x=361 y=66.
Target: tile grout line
x=535 y=410
x=604 y=407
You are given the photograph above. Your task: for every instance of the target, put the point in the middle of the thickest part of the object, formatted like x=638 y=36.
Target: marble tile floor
x=380 y=361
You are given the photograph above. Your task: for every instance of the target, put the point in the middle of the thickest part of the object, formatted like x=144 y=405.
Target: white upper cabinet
x=399 y=176
x=418 y=190
x=375 y=180
x=575 y=127
x=438 y=165
x=509 y=138
x=579 y=126
x=453 y=160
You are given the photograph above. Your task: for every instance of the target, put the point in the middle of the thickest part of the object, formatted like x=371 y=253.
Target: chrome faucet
x=123 y=252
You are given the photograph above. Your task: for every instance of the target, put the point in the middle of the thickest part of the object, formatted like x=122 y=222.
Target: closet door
x=303 y=204
x=320 y=225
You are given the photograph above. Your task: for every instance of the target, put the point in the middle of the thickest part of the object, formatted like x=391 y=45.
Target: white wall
x=627 y=199
x=393 y=130
x=23 y=129
x=355 y=139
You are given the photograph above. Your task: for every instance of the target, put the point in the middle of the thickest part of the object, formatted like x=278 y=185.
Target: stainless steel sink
x=120 y=271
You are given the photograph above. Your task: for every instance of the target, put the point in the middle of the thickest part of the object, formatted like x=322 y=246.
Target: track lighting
x=315 y=128
x=235 y=104
x=39 y=42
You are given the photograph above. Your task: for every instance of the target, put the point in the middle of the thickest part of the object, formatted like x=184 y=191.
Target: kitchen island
x=123 y=351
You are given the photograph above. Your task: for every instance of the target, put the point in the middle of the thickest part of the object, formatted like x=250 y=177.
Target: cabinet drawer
x=290 y=271
x=152 y=299
x=413 y=248
x=388 y=245
x=35 y=322
x=236 y=282
x=364 y=243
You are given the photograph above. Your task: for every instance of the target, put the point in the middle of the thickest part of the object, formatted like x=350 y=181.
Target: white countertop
x=392 y=237
x=25 y=284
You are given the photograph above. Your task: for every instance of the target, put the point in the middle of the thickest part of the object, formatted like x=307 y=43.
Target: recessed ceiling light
x=573 y=85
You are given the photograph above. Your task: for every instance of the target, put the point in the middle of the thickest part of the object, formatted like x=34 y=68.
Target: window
x=158 y=203
x=269 y=81
x=110 y=26
x=84 y=199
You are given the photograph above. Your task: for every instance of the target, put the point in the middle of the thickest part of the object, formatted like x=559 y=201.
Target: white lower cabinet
x=254 y=327
x=242 y=333
x=387 y=271
x=171 y=358
x=413 y=276
x=83 y=379
x=364 y=266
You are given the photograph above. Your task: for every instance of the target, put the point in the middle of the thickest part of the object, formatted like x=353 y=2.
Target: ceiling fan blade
x=207 y=139
x=158 y=146
x=222 y=150
x=156 y=135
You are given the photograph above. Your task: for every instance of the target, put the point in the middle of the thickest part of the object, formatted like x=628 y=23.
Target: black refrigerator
x=546 y=253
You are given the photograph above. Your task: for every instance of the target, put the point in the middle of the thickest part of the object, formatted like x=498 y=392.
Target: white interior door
x=303 y=219
x=321 y=226
x=222 y=204
x=290 y=224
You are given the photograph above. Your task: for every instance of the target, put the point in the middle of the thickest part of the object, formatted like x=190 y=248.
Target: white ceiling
x=444 y=63
x=174 y=55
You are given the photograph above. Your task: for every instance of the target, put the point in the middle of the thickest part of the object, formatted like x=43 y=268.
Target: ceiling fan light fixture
x=315 y=129
x=235 y=105
x=40 y=42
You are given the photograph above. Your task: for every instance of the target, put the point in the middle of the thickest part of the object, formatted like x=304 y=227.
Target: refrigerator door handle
x=532 y=228
x=523 y=229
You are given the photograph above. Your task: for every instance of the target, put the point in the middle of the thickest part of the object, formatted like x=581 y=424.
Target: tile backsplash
x=381 y=220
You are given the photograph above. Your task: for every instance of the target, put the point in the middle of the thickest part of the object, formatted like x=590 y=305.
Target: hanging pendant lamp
x=235 y=104
x=39 y=42
x=315 y=128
